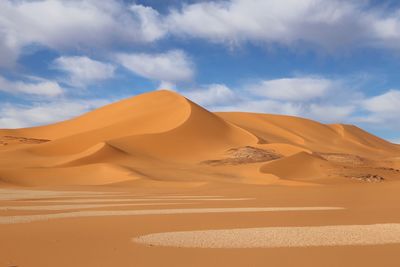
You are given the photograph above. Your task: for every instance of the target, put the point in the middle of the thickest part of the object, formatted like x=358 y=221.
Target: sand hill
x=162 y=137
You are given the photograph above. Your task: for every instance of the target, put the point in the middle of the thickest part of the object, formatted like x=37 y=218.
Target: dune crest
x=162 y=136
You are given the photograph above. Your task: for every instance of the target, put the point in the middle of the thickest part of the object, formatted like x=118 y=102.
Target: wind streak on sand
x=274 y=237
x=45 y=217
x=95 y=200
x=80 y=206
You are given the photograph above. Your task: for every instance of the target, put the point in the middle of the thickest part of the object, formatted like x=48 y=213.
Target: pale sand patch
x=274 y=237
x=79 y=207
x=24 y=194
x=181 y=196
x=11 y=194
x=95 y=200
x=45 y=217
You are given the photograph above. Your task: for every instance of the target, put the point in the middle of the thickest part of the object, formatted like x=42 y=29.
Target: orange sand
x=162 y=136
x=159 y=163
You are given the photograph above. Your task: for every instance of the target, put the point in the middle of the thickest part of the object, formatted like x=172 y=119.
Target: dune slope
x=163 y=136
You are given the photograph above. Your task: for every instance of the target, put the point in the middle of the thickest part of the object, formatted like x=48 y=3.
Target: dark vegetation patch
x=244 y=155
x=369 y=178
x=9 y=140
x=342 y=158
x=388 y=169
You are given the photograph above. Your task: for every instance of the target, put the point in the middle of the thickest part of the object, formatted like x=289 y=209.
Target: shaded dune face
x=162 y=136
x=303 y=166
x=202 y=134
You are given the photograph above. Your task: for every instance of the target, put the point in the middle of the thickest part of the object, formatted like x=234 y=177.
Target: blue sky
x=332 y=61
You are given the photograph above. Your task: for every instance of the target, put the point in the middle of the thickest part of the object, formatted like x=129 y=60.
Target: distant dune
x=162 y=137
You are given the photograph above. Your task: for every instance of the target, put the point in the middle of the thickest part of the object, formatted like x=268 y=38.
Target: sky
x=333 y=61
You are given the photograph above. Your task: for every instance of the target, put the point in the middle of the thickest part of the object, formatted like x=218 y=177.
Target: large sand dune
x=163 y=137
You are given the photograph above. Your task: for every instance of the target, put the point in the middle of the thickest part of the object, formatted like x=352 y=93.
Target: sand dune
x=312 y=135
x=202 y=135
x=162 y=136
x=99 y=153
x=303 y=166
x=93 y=174
x=140 y=114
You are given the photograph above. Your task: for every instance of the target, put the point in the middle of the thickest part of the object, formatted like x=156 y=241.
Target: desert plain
x=157 y=180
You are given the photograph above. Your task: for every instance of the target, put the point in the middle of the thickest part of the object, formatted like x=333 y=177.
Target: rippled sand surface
x=273 y=237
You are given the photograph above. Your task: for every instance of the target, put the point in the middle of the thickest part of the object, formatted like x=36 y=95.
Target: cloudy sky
x=329 y=60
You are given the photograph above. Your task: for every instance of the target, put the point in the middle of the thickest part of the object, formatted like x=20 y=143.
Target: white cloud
x=152 y=27
x=165 y=85
x=395 y=140
x=293 y=89
x=15 y=116
x=322 y=99
x=35 y=86
x=212 y=95
x=74 y=25
x=331 y=113
x=172 y=66
x=315 y=98
x=386 y=29
x=382 y=109
x=83 y=70
x=324 y=112
x=8 y=49
x=263 y=106
x=87 y=25
x=328 y=24
x=388 y=102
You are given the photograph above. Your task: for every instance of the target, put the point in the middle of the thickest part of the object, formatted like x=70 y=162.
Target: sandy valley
x=157 y=180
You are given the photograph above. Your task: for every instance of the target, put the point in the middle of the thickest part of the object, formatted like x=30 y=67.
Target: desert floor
x=30 y=236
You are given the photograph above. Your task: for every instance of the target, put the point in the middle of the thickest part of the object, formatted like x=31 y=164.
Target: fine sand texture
x=275 y=237
x=157 y=180
x=277 y=225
